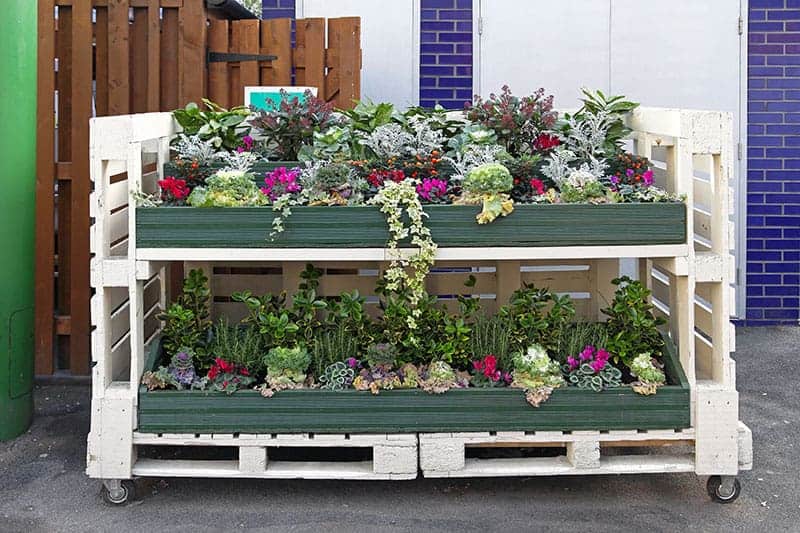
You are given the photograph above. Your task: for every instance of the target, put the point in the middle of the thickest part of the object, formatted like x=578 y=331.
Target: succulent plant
x=382 y=354
x=159 y=379
x=337 y=376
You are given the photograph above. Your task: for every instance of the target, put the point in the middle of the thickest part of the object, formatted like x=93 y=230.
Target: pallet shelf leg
x=253 y=459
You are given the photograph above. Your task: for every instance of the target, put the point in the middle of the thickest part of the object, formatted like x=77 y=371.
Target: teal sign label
x=268 y=98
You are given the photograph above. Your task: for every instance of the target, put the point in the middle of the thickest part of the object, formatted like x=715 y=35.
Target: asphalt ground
x=43 y=486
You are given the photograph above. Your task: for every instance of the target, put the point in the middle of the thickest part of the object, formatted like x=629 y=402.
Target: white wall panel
x=561 y=46
x=390 y=44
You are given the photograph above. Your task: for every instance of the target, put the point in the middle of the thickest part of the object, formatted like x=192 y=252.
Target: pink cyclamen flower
x=573 y=363
x=281 y=181
x=431 y=188
x=352 y=362
x=630 y=172
x=587 y=353
x=648 y=177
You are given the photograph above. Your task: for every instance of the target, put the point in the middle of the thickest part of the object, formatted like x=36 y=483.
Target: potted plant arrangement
x=508 y=171
x=323 y=365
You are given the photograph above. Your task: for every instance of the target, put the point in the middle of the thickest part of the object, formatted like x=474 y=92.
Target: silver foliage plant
x=582 y=150
x=192 y=148
x=393 y=140
x=238 y=161
x=473 y=156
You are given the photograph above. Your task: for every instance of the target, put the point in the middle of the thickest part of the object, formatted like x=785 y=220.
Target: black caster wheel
x=122 y=495
x=720 y=494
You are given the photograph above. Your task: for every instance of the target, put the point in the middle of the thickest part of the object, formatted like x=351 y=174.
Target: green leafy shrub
x=537 y=316
x=223 y=128
x=186 y=322
x=632 y=327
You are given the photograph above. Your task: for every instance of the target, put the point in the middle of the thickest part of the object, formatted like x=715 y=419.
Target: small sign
x=268 y=98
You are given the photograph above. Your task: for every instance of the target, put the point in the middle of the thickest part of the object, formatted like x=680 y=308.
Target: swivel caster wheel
x=118 y=492
x=725 y=490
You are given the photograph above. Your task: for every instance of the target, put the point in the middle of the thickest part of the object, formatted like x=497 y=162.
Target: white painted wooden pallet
x=394 y=457
x=692 y=151
x=584 y=453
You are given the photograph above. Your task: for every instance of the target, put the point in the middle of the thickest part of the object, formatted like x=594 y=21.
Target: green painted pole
x=17 y=207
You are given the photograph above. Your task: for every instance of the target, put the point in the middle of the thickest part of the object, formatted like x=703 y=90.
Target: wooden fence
x=111 y=57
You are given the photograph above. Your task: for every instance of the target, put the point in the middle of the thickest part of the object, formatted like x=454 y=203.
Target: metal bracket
x=224 y=57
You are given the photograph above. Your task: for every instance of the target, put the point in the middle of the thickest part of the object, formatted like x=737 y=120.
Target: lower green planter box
x=451 y=226
x=415 y=411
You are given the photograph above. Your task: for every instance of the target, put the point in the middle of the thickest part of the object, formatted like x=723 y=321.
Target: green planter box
x=411 y=411
x=450 y=225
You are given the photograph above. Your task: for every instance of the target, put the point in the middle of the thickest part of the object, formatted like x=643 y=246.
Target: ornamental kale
x=382 y=354
x=535 y=372
x=287 y=365
x=650 y=377
x=489 y=183
x=181 y=367
x=228 y=188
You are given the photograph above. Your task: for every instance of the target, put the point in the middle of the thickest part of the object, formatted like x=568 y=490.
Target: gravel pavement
x=43 y=486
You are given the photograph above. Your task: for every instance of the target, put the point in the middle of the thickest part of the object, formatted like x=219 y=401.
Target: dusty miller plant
x=472 y=157
x=193 y=148
x=582 y=149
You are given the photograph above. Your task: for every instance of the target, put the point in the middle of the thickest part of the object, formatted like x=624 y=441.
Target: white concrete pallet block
x=393 y=456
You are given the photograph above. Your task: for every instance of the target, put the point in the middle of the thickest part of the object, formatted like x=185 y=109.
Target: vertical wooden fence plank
x=81 y=113
x=153 y=50
x=276 y=39
x=169 y=55
x=192 y=52
x=138 y=60
x=119 y=96
x=344 y=62
x=218 y=90
x=101 y=61
x=63 y=154
x=310 y=54
x=44 y=302
x=246 y=35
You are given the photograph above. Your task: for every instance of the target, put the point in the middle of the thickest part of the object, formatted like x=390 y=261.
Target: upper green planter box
x=451 y=226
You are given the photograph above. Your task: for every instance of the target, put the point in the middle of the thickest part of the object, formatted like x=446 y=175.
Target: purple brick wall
x=278 y=9
x=445 y=53
x=773 y=179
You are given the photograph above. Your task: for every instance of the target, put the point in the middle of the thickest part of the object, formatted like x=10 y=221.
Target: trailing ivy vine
x=400 y=203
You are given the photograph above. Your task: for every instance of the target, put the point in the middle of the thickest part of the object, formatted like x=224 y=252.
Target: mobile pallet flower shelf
x=691 y=425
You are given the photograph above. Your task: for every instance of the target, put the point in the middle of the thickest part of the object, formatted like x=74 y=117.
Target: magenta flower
x=587 y=353
x=615 y=180
x=352 y=362
x=648 y=177
x=573 y=363
x=630 y=172
x=281 y=181
x=431 y=189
